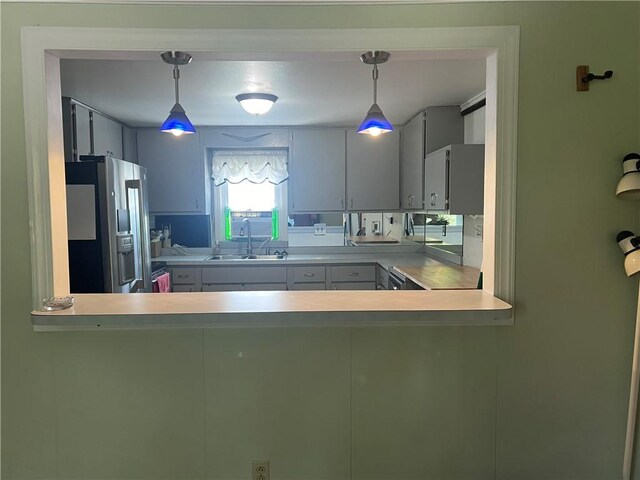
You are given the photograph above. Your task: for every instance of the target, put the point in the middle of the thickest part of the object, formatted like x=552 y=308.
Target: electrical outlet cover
x=260 y=470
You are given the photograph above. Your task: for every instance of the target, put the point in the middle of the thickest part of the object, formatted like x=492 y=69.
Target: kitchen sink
x=226 y=257
x=245 y=257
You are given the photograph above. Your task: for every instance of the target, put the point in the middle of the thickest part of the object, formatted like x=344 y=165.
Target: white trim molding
x=499 y=44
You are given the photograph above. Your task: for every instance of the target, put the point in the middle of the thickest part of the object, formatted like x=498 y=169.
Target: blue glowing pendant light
x=177 y=122
x=375 y=123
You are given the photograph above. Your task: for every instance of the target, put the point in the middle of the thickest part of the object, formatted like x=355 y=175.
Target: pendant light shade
x=256 y=103
x=629 y=185
x=177 y=122
x=375 y=123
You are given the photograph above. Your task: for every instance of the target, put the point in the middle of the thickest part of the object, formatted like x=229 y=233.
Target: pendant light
x=256 y=103
x=375 y=123
x=177 y=122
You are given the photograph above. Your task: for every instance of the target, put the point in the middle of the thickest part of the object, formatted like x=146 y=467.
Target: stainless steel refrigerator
x=108 y=226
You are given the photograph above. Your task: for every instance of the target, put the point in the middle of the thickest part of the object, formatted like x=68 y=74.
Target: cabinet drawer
x=308 y=274
x=354 y=286
x=309 y=286
x=263 y=287
x=183 y=288
x=223 y=287
x=353 y=273
x=183 y=275
x=244 y=275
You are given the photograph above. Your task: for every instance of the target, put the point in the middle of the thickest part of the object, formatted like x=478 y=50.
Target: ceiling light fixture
x=256 y=103
x=177 y=122
x=375 y=123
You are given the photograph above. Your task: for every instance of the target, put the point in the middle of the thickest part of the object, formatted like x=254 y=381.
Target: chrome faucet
x=248 y=230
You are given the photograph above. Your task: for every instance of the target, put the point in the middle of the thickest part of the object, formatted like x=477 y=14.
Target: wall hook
x=584 y=77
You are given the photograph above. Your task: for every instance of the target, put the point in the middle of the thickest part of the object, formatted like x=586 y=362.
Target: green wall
x=545 y=398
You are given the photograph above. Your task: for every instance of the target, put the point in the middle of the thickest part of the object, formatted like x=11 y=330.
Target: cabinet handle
x=342 y=203
x=433 y=199
x=410 y=200
x=183 y=276
x=308 y=274
x=352 y=203
x=196 y=203
x=353 y=274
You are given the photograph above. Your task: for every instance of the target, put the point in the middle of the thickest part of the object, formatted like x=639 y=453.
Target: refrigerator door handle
x=136 y=184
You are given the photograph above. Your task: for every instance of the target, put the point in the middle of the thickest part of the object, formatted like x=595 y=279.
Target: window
x=250 y=183
x=257 y=197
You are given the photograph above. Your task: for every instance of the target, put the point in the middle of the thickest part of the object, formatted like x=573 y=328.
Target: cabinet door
x=317 y=170
x=412 y=164
x=129 y=145
x=466 y=180
x=175 y=171
x=83 y=131
x=107 y=136
x=436 y=180
x=373 y=171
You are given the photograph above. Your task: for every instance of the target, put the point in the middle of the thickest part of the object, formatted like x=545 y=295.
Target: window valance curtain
x=256 y=166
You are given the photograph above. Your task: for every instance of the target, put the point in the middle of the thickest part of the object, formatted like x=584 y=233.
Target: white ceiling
x=314 y=89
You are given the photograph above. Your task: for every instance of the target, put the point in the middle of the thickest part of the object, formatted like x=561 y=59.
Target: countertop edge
x=279 y=309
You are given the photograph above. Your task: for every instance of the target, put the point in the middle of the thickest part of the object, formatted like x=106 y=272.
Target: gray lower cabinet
x=353 y=277
x=273 y=278
x=317 y=170
x=184 y=288
x=176 y=171
x=307 y=277
x=373 y=172
x=247 y=278
x=454 y=180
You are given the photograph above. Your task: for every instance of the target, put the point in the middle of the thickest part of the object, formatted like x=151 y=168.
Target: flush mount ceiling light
x=256 y=103
x=177 y=122
x=629 y=185
x=375 y=123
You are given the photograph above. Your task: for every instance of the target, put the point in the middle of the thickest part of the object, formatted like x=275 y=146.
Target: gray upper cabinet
x=175 y=171
x=430 y=130
x=76 y=128
x=317 y=170
x=244 y=137
x=412 y=164
x=107 y=136
x=373 y=172
x=82 y=130
x=88 y=132
x=455 y=180
x=129 y=145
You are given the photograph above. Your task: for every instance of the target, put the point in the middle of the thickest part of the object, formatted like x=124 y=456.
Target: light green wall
x=545 y=398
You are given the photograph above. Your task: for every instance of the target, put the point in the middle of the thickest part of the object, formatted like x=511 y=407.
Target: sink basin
x=264 y=257
x=245 y=257
x=226 y=257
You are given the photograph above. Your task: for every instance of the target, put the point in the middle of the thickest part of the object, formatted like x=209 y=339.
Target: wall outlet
x=319 y=229
x=260 y=470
